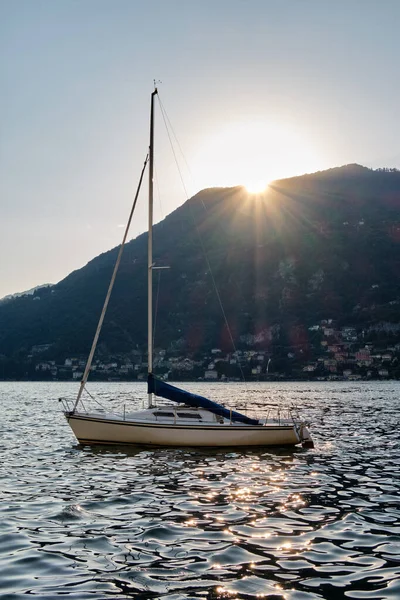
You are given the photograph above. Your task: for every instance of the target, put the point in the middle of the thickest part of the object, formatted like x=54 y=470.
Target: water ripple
x=184 y=524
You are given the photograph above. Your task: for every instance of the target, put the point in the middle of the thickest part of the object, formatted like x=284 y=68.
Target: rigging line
x=89 y=394
x=177 y=141
x=110 y=287
x=93 y=398
x=172 y=148
x=101 y=405
x=166 y=118
x=219 y=298
x=201 y=242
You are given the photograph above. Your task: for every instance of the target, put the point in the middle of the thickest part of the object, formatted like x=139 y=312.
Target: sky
x=254 y=90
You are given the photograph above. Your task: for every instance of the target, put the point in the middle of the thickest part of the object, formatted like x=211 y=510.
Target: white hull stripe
x=232 y=445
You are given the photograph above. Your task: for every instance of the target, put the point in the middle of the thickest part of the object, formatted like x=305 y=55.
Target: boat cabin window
x=182 y=415
x=162 y=413
x=188 y=415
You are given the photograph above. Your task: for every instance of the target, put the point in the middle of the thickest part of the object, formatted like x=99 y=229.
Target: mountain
x=319 y=246
x=25 y=293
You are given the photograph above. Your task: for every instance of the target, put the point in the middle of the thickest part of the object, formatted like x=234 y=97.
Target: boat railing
x=67 y=405
x=281 y=417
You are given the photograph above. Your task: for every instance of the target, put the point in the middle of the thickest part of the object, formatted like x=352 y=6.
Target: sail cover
x=170 y=392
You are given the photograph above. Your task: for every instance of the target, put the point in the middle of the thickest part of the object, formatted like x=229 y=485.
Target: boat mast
x=150 y=251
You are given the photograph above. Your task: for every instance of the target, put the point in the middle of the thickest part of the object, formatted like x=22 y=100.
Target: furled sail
x=170 y=392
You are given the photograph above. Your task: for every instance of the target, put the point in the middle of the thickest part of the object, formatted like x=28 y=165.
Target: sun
x=253 y=152
x=256 y=187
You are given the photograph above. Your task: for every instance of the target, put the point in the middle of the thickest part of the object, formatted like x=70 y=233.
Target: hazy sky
x=254 y=89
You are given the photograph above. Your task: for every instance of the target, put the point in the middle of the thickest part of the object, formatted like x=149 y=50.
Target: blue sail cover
x=170 y=392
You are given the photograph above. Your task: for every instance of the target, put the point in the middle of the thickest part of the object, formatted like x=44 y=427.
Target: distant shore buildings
x=334 y=353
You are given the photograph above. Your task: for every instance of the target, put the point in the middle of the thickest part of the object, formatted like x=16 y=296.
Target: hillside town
x=330 y=353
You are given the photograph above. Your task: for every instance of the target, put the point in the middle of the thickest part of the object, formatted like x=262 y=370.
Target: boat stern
x=305 y=437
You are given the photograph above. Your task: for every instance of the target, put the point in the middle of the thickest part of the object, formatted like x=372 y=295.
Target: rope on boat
x=110 y=287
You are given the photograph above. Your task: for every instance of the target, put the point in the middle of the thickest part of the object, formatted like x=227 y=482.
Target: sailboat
x=189 y=419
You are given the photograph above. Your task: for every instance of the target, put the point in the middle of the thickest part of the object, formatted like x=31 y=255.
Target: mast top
x=155 y=82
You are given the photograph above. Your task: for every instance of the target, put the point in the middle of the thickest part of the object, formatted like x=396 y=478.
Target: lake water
x=179 y=524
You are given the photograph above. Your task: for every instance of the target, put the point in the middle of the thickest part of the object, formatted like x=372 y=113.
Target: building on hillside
x=40 y=348
x=211 y=374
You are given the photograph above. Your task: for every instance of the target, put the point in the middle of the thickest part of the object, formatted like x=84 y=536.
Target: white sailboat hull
x=97 y=430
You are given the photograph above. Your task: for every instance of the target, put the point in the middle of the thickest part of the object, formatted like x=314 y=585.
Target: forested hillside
x=320 y=246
